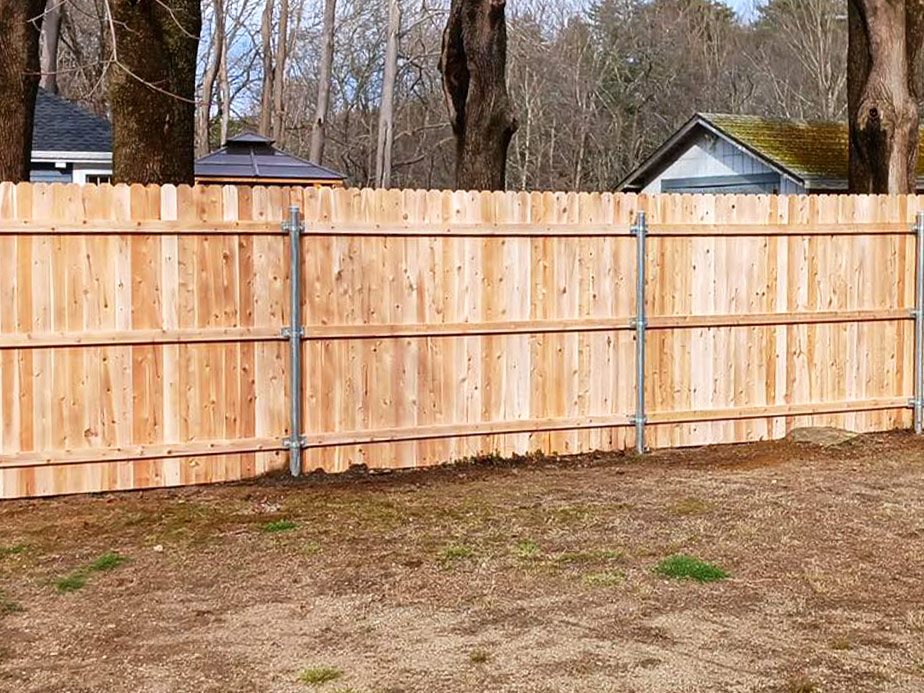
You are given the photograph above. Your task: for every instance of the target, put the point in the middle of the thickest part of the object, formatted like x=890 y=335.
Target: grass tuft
x=607 y=579
x=479 y=656
x=108 y=561
x=583 y=557
x=8 y=607
x=688 y=567
x=527 y=550
x=71 y=583
x=278 y=526
x=457 y=552
x=318 y=676
x=78 y=579
x=15 y=550
x=801 y=684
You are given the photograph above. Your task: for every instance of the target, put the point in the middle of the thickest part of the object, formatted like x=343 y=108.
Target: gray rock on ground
x=825 y=436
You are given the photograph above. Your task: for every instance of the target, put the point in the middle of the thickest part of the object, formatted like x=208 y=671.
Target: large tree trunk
x=215 y=65
x=54 y=12
x=474 y=66
x=265 y=125
x=387 y=106
x=152 y=90
x=883 y=85
x=19 y=80
x=324 y=77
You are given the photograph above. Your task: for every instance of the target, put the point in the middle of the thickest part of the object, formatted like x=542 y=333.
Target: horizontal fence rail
x=154 y=336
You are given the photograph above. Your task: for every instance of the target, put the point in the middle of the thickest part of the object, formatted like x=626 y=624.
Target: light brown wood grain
x=141 y=327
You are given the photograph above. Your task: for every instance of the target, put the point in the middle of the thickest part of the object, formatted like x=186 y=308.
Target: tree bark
x=51 y=34
x=279 y=76
x=152 y=90
x=215 y=63
x=266 y=96
x=324 y=81
x=884 y=73
x=21 y=22
x=383 y=162
x=474 y=65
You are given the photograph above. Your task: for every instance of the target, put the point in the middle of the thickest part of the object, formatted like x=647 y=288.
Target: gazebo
x=251 y=159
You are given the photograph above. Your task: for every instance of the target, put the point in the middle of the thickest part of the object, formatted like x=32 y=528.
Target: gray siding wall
x=718 y=162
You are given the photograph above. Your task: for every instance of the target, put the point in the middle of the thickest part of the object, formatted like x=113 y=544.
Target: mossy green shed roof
x=808 y=149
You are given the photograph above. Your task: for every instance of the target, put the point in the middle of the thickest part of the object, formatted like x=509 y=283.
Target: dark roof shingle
x=251 y=157
x=61 y=126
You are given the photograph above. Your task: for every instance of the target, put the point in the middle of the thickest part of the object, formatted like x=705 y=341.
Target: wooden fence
x=141 y=328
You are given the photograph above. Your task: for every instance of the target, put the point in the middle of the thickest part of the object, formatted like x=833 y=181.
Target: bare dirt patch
x=537 y=576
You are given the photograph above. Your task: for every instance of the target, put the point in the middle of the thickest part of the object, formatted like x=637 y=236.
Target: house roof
x=61 y=126
x=806 y=151
x=250 y=157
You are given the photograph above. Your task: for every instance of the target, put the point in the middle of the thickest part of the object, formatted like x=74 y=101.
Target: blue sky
x=743 y=7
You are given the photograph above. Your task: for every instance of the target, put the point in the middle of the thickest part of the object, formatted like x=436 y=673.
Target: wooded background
x=595 y=85
x=141 y=327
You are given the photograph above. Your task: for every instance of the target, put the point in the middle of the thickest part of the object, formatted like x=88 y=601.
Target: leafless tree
x=152 y=89
x=474 y=67
x=21 y=21
x=51 y=34
x=883 y=85
x=325 y=68
x=387 y=105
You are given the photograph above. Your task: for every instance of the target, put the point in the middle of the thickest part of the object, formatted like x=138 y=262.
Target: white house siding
x=709 y=156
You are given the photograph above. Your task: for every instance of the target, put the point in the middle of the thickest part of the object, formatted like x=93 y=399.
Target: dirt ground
x=530 y=576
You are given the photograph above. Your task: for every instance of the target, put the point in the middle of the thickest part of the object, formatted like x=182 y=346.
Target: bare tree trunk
x=883 y=84
x=216 y=60
x=324 y=77
x=266 y=97
x=51 y=34
x=279 y=78
x=19 y=81
x=152 y=90
x=383 y=162
x=474 y=64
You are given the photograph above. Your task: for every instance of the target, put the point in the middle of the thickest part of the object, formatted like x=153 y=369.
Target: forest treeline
x=594 y=85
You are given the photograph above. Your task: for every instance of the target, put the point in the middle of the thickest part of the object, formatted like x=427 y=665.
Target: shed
x=722 y=153
x=69 y=144
x=250 y=159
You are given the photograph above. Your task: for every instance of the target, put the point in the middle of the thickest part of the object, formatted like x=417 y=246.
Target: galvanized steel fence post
x=640 y=231
x=918 y=401
x=294 y=333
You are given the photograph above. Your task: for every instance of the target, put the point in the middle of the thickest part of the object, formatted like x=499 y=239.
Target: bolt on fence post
x=294 y=333
x=919 y=326
x=640 y=231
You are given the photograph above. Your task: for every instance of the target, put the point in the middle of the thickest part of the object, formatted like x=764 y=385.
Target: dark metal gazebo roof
x=251 y=158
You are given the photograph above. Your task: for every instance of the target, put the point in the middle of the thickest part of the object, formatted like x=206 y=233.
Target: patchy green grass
x=318 y=676
x=78 y=579
x=312 y=548
x=606 y=579
x=14 y=550
x=71 y=583
x=527 y=550
x=457 y=552
x=108 y=561
x=479 y=656
x=278 y=526
x=688 y=567
x=841 y=643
